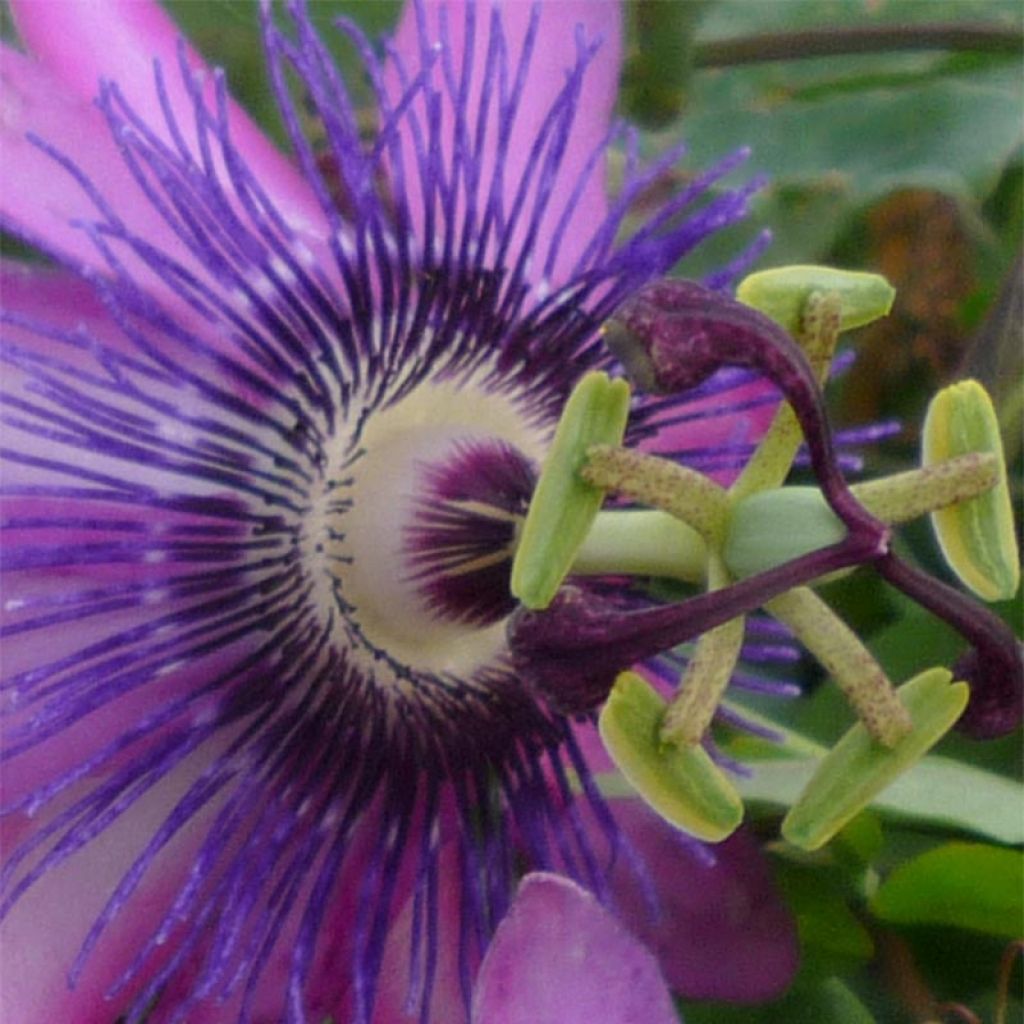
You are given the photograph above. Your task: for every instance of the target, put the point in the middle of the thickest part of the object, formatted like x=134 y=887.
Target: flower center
x=418 y=520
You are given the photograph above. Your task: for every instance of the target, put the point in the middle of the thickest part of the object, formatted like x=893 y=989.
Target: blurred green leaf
x=659 y=58
x=835 y=133
x=829 y=931
x=830 y=1001
x=818 y=1001
x=860 y=841
x=967 y=885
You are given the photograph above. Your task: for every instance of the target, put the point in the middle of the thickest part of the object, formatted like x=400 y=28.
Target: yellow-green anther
x=817 y=333
x=682 y=784
x=682 y=492
x=642 y=542
x=782 y=292
x=843 y=655
x=977 y=537
x=707 y=674
x=857 y=769
x=905 y=496
x=564 y=505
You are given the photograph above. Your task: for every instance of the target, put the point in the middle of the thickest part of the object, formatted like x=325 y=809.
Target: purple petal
x=571 y=55
x=39 y=197
x=559 y=957
x=118 y=41
x=721 y=930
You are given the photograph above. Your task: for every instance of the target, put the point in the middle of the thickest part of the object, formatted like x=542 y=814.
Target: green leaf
x=831 y=934
x=681 y=783
x=857 y=768
x=831 y=1001
x=967 y=885
x=564 y=505
x=834 y=134
x=977 y=537
x=937 y=791
x=782 y=293
x=810 y=1001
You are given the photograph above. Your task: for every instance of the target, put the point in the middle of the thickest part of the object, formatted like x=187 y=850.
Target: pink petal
x=59 y=299
x=722 y=931
x=553 y=55
x=82 y=42
x=559 y=957
x=446 y=1002
x=738 y=416
x=39 y=196
x=42 y=935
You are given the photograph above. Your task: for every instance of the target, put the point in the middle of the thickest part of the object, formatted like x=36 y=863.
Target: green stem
x=770 y=464
x=641 y=542
x=834 y=42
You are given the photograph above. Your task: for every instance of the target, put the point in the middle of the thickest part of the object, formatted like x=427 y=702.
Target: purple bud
x=997 y=692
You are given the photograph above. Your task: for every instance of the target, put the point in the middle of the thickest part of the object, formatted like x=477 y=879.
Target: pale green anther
x=682 y=784
x=977 y=537
x=770 y=528
x=857 y=769
x=564 y=505
x=782 y=292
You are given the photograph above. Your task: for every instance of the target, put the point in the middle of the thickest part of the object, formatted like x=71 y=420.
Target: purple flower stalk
x=268 y=430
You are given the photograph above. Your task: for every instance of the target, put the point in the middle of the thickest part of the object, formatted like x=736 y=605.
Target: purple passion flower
x=268 y=431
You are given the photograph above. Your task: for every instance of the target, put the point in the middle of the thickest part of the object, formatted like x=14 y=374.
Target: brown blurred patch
x=917 y=239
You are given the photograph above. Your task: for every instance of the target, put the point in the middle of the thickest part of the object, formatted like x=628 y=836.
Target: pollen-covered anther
x=684 y=493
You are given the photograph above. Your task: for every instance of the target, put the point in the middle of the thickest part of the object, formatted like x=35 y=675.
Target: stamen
x=905 y=496
x=847 y=660
x=707 y=675
x=820 y=320
x=682 y=492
